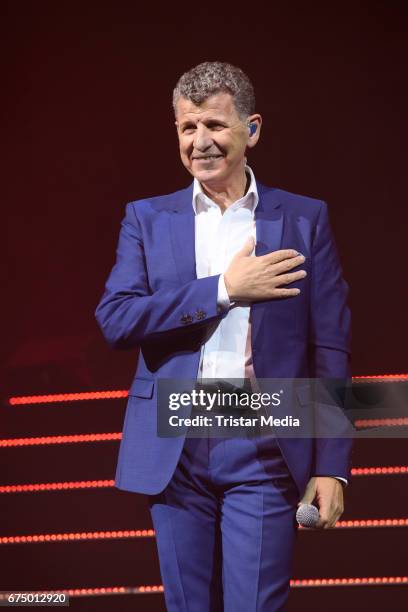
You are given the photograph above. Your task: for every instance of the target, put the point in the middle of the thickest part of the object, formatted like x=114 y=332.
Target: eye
x=216 y=126
x=188 y=129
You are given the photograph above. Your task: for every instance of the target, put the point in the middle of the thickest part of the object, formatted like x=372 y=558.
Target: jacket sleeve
x=129 y=312
x=330 y=343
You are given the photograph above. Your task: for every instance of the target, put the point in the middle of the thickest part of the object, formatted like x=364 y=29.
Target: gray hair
x=210 y=78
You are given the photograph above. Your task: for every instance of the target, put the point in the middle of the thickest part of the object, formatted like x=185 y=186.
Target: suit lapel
x=269 y=231
x=182 y=234
x=269 y=221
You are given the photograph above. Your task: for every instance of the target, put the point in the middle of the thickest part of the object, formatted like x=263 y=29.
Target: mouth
x=204 y=158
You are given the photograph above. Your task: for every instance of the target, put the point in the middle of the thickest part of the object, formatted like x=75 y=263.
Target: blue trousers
x=225 y=527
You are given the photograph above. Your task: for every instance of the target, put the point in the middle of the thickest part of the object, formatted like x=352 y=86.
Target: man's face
x=213 y=138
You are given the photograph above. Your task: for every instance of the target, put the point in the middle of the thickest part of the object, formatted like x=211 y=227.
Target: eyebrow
x=190 y=122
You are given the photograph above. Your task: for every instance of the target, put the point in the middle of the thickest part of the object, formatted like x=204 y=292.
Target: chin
x=208 y=175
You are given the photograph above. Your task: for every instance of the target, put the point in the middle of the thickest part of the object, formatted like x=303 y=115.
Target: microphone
x=307 y=515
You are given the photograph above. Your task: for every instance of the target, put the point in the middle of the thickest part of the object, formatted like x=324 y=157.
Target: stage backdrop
x=89 y=127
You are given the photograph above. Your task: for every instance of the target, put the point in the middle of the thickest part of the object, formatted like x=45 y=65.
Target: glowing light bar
x=380 y=377
x=368 y=523
x=42 y=538
x=96 y=592
x=102 y=437
x=57 y=486
x=98 y=484
x=66 y=397
x=398 y=422
x=121 y=393
x=367 y=581
x=158 y=589
x=379 y=471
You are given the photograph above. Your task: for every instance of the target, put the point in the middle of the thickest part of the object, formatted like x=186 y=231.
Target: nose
x=202 y=139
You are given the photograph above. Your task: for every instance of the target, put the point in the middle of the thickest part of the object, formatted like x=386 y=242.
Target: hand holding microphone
x=328 y=493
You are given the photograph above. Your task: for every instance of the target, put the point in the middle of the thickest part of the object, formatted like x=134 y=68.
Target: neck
x=225 y=195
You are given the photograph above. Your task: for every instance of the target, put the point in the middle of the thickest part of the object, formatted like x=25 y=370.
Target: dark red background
x=89 y=126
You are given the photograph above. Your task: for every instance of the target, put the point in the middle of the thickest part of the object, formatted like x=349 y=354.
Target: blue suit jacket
x=153 y=300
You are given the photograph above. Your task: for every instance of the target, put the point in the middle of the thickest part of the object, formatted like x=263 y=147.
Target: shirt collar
x=250 y=199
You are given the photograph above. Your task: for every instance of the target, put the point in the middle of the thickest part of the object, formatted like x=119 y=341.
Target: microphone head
x=307 y=515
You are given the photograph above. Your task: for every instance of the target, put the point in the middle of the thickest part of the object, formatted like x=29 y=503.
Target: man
x=190 y=291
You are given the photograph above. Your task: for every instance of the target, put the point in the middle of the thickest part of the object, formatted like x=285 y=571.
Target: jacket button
x=200 y=314
x=186 y=319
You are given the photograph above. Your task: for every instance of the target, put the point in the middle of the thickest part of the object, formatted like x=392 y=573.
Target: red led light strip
x=379 y=377
x=368 y=523
x=372 y=523
x=158 y=589
x=366 y=581
x=120 y=393
x=102 y=437
x=42 y=538
x=379 y=471
x=97 y=484
x=398 y=422
x=66 y=397
x=57 y=486
x=95 y=592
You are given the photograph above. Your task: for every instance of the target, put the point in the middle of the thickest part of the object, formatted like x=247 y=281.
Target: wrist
x=229 y=288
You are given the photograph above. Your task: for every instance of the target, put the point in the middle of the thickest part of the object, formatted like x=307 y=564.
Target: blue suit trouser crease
x=225 y=527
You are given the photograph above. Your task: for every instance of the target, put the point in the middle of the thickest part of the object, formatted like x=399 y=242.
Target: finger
x=329 y=515
x=324 y=519
x=288 y=264
x=281 y=293
x=330 y=523
x=325 y=513
x=321 y=524
x=277 y=256
x=309 y=494
x=335 y=517
x=286 y=279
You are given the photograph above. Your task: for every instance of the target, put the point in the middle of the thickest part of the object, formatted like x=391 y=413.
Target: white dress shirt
x=218 y=237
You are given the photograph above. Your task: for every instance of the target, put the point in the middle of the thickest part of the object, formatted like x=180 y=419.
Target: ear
x=255 y=132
